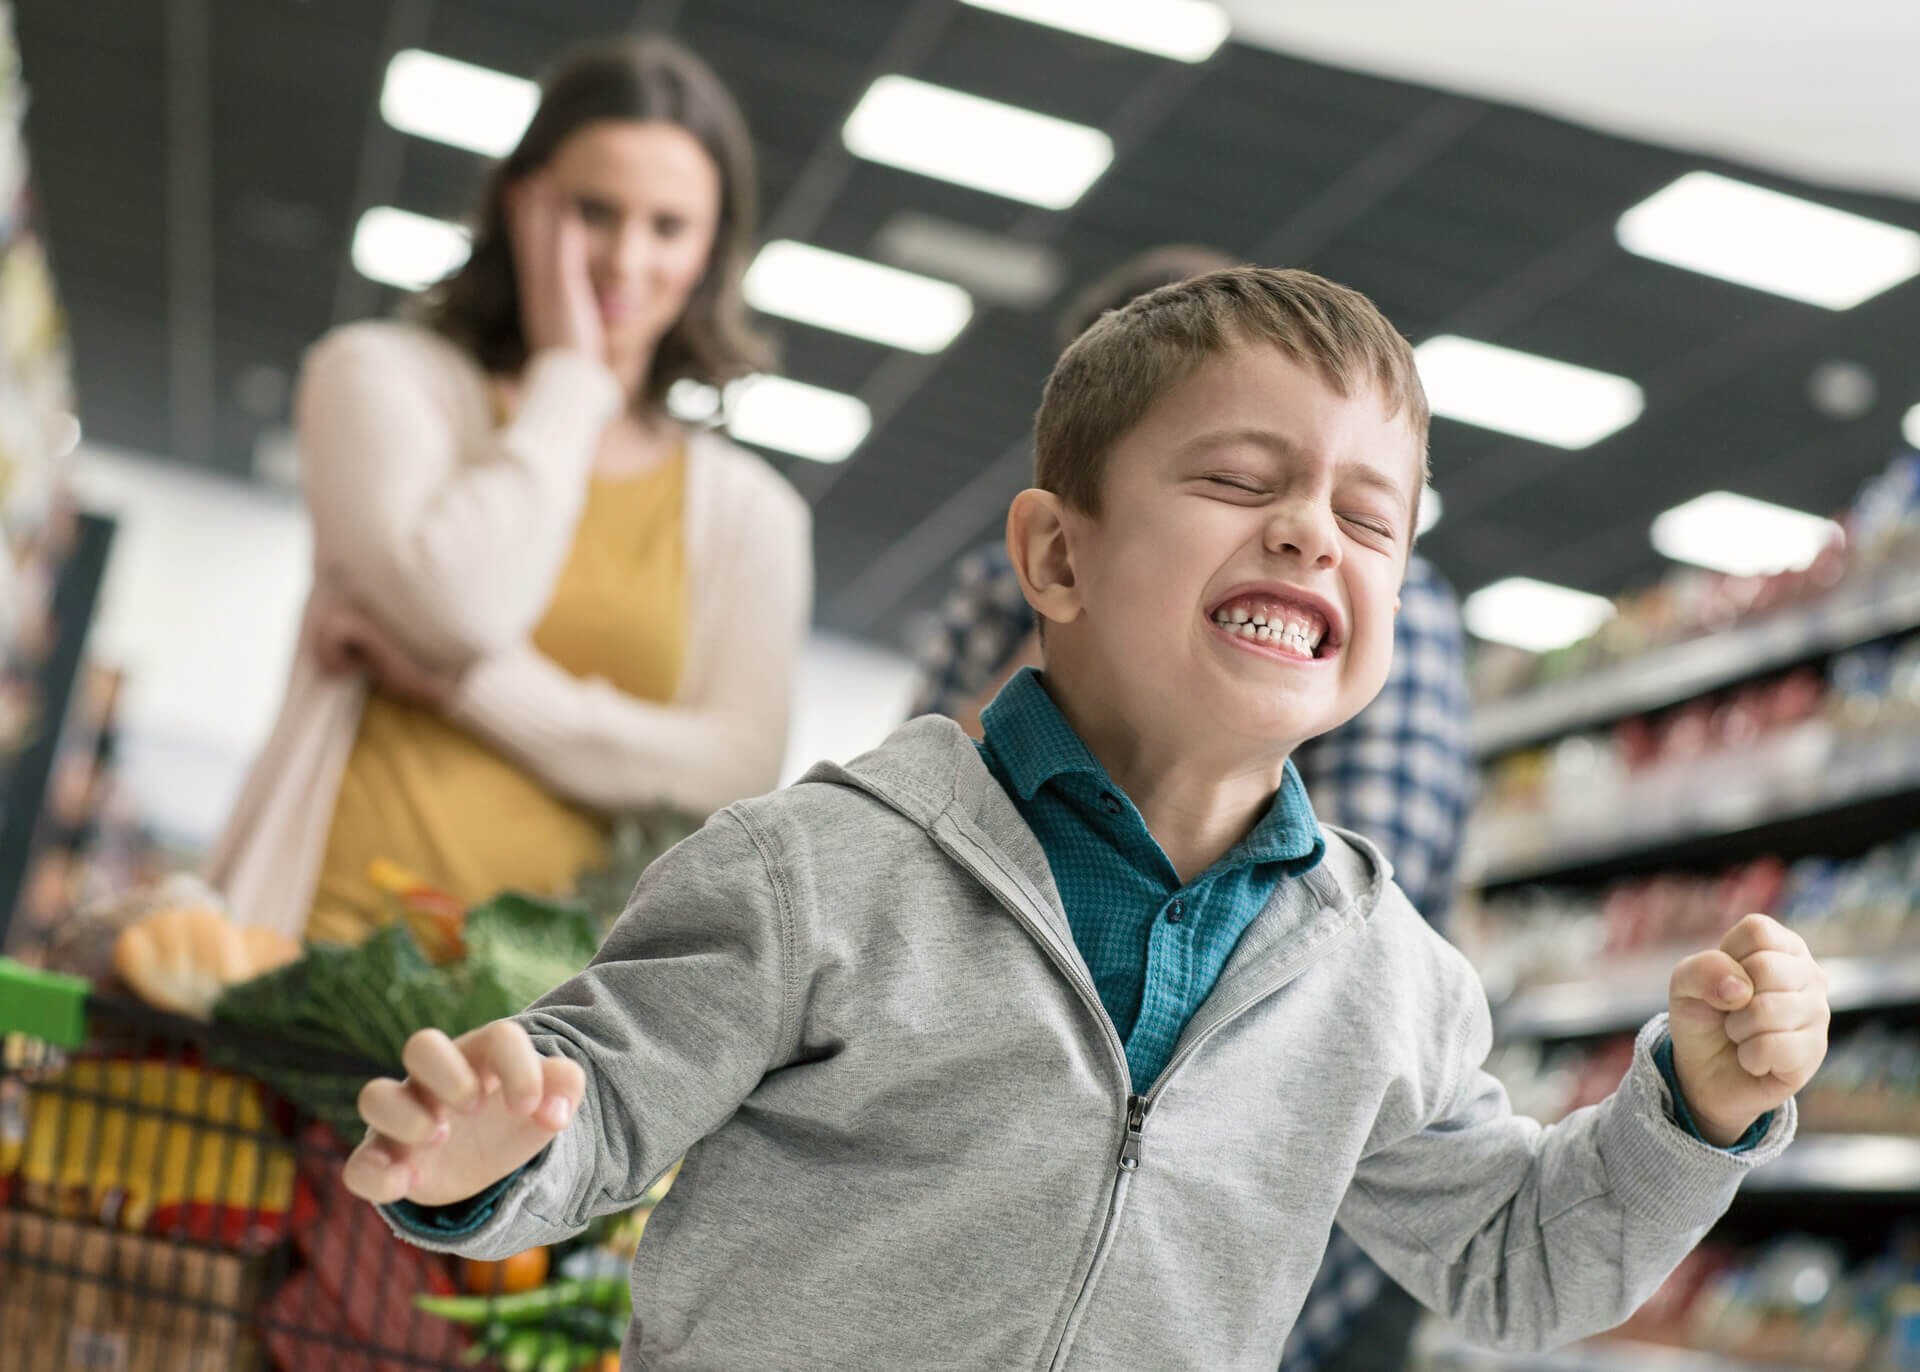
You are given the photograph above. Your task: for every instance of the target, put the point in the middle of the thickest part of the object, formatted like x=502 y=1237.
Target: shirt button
x=1110 y=802
x=1176 y=912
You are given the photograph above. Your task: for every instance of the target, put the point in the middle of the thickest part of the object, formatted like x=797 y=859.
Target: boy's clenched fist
x=1749 y=1026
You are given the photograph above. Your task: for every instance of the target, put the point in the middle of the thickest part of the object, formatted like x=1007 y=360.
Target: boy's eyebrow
x=1283 y=446
x=1223 y=438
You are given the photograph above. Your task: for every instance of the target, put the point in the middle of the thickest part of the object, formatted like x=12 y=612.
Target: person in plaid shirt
x=1400 y=772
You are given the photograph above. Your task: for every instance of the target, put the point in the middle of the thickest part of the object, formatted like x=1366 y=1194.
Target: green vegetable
x=531 y=945
x=366 y=1001
x=601 y=1328
x=521 y=1353
x=539 y=1350
x=524 y=1307
x=567 y=1355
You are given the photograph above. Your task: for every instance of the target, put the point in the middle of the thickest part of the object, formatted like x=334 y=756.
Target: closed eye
x=1373 y=526
x=1237 y=483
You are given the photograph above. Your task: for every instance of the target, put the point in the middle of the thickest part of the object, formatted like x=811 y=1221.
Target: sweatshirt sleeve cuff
x=454 y=1221
x=1662 y=1172
x=1663 y=1059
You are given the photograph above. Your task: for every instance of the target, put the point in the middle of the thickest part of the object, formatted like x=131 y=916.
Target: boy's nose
x=1305 y=533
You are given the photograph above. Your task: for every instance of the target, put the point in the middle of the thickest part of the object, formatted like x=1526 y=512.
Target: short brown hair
x=639 y=80
x=1116 y=371
x=1143 y=272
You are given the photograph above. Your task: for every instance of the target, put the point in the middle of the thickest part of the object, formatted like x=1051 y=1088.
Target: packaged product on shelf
x=1878 y=541
x=1796 y=741
x=1544 y=935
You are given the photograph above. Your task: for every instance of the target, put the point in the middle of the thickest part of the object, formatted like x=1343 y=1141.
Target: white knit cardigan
x=453 y=533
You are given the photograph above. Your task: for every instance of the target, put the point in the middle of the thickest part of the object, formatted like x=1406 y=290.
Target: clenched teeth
x=1297 y=630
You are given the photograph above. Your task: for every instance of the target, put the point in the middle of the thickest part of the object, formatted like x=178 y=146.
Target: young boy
x=1068 y=1048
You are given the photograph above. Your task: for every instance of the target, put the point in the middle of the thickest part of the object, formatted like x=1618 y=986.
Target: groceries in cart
x=172 y=1137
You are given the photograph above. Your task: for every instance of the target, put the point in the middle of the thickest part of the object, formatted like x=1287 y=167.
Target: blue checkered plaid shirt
x=1400 y=772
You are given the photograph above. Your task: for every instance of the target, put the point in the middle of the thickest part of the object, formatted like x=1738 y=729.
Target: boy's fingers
x=563 y=1084
x=441 y=1070
x=1777 y=971
x=1711 y=977
x=504 y=1050
x=1771 y=1012
x=1790 y=1056
x=1760 y=934
x=379 y=1170
x=396 y=1110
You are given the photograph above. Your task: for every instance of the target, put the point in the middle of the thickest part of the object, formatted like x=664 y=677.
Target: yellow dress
x=423 y=792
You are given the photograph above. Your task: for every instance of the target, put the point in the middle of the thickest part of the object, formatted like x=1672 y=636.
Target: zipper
x=1138 y=1106
x=1136 y=1122
x=1245 y=1004
x=1196 y=1043
x=1082 y=982
x=1129 y=1159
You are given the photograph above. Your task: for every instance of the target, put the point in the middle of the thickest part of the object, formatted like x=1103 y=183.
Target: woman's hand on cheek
x=557 y=308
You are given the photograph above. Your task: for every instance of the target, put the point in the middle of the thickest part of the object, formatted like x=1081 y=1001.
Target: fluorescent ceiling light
x=406 y=250
x=853 y=296
x=792 y=417
x=1521 y=394
x=1535 y=615
x=1739 y=535
x=1431 y=508
x=470 y=107
x=1185 y=30
x=1769 y=241
x=981 y=144
x=1910 y=427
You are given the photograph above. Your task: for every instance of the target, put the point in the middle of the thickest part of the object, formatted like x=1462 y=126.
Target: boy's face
x=1253 y=491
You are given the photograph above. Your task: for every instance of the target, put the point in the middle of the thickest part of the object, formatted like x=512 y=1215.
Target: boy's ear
x=1039 y=545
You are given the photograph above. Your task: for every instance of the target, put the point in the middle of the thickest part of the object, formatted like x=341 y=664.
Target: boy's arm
x=691 y=1000
x=1528 y=1236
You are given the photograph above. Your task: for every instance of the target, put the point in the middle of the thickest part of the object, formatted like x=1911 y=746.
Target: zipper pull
x=1136 y=1121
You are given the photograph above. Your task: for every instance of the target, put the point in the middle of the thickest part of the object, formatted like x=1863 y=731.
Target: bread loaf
x=181 y=960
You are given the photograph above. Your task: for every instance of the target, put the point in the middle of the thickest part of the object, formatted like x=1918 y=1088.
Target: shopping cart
x=164 y=1208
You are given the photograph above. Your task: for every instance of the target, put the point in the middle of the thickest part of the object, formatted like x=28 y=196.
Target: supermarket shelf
x=1440 y=1348
x=1851 y=616
x=1624 y=999
x=1840 y=809
x=1831 y=1164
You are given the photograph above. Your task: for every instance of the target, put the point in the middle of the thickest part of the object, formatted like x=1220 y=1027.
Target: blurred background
x=1661 y=263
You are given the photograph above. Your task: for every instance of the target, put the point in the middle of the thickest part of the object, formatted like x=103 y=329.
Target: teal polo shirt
x=1155 y=945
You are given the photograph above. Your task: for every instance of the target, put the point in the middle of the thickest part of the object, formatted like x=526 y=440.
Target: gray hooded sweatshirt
x=857 y=1008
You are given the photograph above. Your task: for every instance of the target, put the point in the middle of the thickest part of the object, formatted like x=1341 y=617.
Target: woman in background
x=539 y=603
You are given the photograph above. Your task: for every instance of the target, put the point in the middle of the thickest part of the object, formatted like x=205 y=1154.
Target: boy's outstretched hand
x=471 y=1111
x=1749 y=1026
